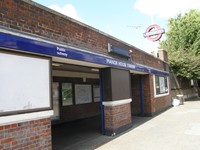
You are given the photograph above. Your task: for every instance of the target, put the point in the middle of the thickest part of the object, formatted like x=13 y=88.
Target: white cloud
x=68 y=10
x=165 y=8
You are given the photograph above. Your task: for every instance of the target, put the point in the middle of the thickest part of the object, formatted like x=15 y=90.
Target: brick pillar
x=117 y=118
x=116 y=100
x=162 y=54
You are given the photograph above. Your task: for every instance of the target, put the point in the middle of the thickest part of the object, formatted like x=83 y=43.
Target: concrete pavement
x=176 y=129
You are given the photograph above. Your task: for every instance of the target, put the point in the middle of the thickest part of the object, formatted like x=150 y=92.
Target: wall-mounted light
x=109 y=47
x=130 y=51
x=56 y=64
x=95 y=70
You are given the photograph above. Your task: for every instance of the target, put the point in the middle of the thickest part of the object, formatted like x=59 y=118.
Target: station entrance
x=140 y=94
x=76 y=104
x=76 y=100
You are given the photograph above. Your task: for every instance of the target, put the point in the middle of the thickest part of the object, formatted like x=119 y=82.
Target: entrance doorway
x=76 y=104
x=137 y=95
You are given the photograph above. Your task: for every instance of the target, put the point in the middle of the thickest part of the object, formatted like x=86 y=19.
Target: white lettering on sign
x=154 y=32
x=122 y=64
x=131 y=66
x=116 y=63
x=61 y=51
x=62 y=54
x=112 y=62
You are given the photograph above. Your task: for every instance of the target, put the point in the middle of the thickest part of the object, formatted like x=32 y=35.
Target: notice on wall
x=162 y=84
x=25 y=83
x=83 y=93
x=96 y=93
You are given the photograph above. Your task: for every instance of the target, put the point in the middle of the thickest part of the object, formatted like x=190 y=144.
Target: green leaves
x=183 y=44
x=185 y=65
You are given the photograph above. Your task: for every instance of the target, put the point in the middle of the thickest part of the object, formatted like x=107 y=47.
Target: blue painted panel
x=29 y=45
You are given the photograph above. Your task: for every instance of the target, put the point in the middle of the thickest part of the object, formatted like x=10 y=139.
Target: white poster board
x=24 y=83
x=83 y=93
x=162 y=84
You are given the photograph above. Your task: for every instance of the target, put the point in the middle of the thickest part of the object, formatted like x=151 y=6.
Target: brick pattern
x=158 y=103
x=32 y=135
x=22 y=16
x=148 y=94
x=75 y=112
x=117 y=116
x=145 y=59
x=151 y=104
x=162 y=54
x=161 y=103
x=188 y=93
x=136 y=94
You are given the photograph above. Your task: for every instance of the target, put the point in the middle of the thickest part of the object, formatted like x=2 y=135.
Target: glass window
x=67 y=94
x=161 y=85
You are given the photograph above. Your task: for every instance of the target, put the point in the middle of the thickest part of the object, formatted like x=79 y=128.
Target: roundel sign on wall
x=154 y=32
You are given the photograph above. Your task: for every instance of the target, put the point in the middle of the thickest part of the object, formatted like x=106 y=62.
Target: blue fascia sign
x=29 y=45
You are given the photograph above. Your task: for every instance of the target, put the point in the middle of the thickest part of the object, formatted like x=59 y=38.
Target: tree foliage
x=183 y=44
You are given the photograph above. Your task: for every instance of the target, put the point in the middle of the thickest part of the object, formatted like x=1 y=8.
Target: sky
x=126 y=20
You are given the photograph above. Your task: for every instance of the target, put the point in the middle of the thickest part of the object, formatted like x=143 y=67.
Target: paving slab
x=176 y=129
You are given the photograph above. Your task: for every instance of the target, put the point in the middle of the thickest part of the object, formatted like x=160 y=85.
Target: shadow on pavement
x=85 y=134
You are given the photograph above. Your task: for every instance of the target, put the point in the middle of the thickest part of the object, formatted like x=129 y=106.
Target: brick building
x=55 y=69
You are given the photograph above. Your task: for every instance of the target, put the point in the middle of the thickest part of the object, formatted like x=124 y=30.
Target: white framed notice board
x=25 y=84
x=83 y=93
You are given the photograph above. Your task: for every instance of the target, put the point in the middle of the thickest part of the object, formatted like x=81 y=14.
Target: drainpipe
x=101 y=103
x=141 y=98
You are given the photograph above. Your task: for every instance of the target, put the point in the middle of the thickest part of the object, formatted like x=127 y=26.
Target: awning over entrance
x=31 y=44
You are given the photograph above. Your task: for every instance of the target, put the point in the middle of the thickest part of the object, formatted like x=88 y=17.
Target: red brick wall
x=159 y=103
x=117 y=116
x=151 y=104
x=136 y=94
x=30 y=135
x=148 y=60
x=22 y=16
x=147 y=93
x=70 y=113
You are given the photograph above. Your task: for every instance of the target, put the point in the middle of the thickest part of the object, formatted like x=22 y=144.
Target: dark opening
x=76 y=104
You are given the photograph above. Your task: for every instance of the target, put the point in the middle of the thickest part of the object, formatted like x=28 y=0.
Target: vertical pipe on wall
x=101 y=102
x=141 y=97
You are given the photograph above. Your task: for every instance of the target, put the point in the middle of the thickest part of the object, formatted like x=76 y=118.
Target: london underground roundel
x=154 y=32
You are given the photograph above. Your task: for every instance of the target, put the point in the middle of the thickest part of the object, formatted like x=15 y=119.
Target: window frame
x=72 y=95
x=78 y=101
x=154 y=83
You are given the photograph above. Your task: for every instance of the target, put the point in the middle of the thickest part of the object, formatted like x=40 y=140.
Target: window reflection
x=67 y=94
